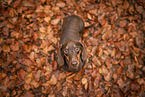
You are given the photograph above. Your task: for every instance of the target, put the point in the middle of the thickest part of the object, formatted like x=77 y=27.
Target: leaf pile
x=29 y=37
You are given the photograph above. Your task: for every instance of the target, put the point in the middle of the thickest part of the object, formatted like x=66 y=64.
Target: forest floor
x=29 y=37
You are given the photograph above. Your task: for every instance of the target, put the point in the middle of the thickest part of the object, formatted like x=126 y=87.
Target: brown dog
x=72 y=52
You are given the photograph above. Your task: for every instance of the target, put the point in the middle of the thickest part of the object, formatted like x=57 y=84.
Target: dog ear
x=60 y=60
x=84 y=52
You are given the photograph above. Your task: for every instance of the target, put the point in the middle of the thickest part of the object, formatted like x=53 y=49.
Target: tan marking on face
x=66 y=47
x=74 y=46
x=67 y=58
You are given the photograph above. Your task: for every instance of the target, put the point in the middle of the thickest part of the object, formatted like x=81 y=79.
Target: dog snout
x=74 y=63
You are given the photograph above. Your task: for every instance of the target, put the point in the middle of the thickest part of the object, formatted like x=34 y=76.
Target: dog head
x=72 y=55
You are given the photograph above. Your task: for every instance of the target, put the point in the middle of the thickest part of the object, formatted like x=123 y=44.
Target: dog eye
x=77 y=49
x=65 y=50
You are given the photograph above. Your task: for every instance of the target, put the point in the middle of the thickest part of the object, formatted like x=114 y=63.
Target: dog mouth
x=73 y=64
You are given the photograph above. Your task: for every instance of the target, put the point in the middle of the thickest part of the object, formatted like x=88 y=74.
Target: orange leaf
x=6 y=48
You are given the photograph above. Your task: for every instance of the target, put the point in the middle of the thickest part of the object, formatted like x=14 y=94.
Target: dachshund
x=72 y=53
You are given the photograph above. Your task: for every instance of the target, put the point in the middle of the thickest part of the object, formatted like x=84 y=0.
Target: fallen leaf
x=53 y=80
x=35 y=83
x=28 y=94
x=126 y=4
x=15 y=34
x=37 y=75
x=21 y=74
x=61 y=76
x=96 y=61
x=47 y=19
x=103 y=70
x=78 y=76
x=135 y=86
x=120 y=83
x=15 y=47
x=6 y=48
x=55 y=21
x=84 y=81
x=108 y=77
x=60 y=4
x=42 y=29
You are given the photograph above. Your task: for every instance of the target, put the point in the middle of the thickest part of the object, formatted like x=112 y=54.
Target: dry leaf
x=55 y=21
x=15 y=47
x=15 y=34
x=37 y=75
x=53 y=80
x=6 y=48
x=60 y=4
x=42 y=29
x=108 y=77
x=78 y=76
x=21 y=74
x=61 y=76
x=103 y=70
x=120 y=83
x=96 y=61
x=35 y=83
x=84 y=81
x=28 y=94
x=47 y=19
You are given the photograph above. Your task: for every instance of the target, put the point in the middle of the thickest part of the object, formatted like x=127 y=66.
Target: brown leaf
x=28 y=3
x=52 y=95
x=42 y=29
x=5 y=31
x=37 y=75
x=140 y=81
x=139 y=9
x=100 y=52
x=108 y=77
x=120 y=83
x=103 y=70
x=123 y=23
x=28 y=94
x=86 y=86
x=84 y=81
x=55 y=21
x=32 y=56
x=96 y=61
x=35 y=83
x=27 y=62
x=93 y=11
x=126 y=4
x=15 y=34
x=6 y=48
x=16 y=3
x=89 y=16
x=61 y=76
x=56 y=9
x=26 y=86
x=47 y=19
x=103 y=22
x=15 y=47
x=135 y=86
x=10 y=25
x=28 y=80
x=115 y=76
x=21 y=74
x=114 y=2
x=60 y=4
x=53 y=80
x=78 y=76
x=26 y=47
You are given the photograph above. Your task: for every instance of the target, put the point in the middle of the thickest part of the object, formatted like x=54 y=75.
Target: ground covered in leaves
x=29 y=37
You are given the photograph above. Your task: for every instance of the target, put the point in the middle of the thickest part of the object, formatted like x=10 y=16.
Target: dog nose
x=74 y=63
